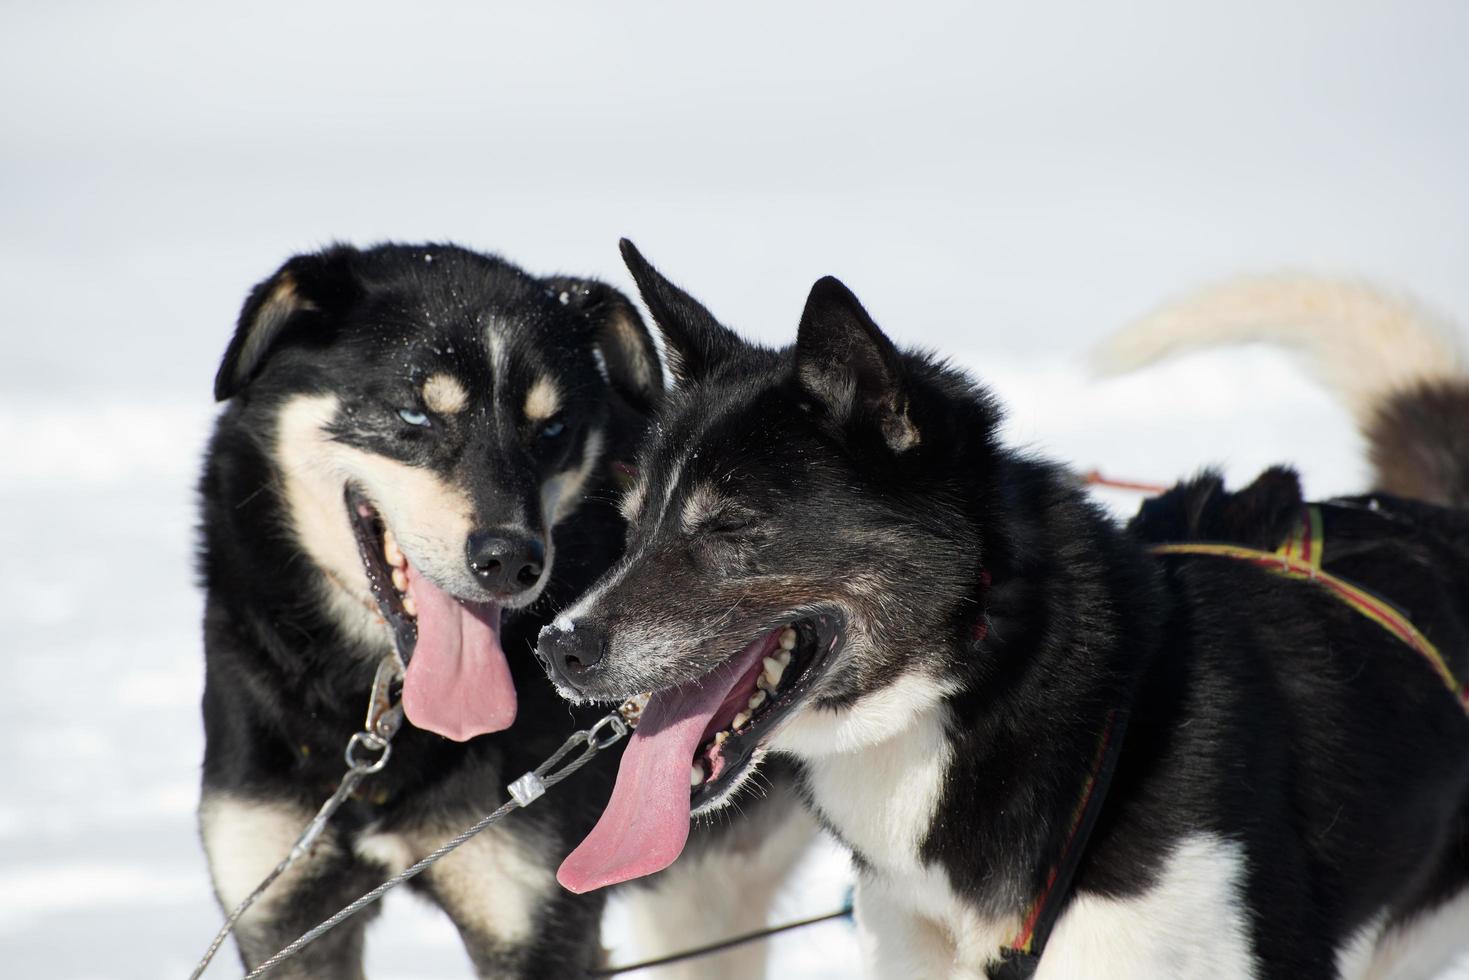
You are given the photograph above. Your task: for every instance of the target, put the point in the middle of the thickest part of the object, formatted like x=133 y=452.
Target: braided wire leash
x=384 y=718
x=608 y=731
x=845 y=912
x=383 y=721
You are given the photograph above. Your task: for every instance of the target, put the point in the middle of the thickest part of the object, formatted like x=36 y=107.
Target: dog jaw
x=429 y=520
x=311 y=492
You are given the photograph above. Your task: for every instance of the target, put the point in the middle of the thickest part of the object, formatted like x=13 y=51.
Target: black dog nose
x=572 y=655
x=505 y=560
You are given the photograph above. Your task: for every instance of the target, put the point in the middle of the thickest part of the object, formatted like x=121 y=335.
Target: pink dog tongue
x=458 y=681
x=646 y=823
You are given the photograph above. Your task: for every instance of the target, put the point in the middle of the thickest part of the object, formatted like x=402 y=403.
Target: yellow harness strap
x=1300 y=558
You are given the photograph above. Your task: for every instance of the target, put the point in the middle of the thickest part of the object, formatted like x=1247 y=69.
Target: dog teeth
x=400 y=581
x=391 y=551
x=409 y=606
x=772 y=673
x=772 y=669
x=696 y=774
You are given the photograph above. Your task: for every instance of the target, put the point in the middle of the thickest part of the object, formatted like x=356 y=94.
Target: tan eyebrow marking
x=444 y=394
x=542 y=401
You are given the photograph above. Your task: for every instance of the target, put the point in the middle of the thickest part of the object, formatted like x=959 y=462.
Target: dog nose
x=505 y=560
x=572 y=656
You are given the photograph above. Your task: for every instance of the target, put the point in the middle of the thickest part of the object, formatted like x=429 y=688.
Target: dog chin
x=708 y=808
x=573 y=696
x=598 y=693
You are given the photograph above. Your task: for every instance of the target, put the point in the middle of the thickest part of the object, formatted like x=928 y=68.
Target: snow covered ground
x=1003 y=185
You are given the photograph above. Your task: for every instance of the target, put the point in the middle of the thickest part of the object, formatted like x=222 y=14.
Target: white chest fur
x=881 y=798
x=880 y=791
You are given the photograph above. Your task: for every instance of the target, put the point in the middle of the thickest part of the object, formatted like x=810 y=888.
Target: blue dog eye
x=553 y=429
x=411 y=417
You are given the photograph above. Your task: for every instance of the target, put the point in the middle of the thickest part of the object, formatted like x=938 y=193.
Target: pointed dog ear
x=625 y=345
x=301 y=290
x=694 y=341
x=849 y=365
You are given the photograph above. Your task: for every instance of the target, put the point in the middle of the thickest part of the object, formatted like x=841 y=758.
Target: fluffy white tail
x=1364 y=344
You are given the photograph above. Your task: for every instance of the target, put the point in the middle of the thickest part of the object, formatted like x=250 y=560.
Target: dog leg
x=245 y=839
x=500 y=891
x=722 y=886
x=1158 y=932
x=898 y=942
x=1425 y=945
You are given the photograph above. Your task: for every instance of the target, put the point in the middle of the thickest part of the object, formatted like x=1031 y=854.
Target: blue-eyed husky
x=420 y=451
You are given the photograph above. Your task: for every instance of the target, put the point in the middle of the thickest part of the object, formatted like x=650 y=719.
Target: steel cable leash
x=383 y=721
x=608 y=731
x=523 y=792
x=845 y=912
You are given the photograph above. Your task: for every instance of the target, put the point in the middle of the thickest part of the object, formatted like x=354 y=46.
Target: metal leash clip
x=384 y=718
x=608 y=731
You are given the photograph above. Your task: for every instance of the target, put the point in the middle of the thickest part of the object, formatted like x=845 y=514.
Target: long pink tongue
x=646 y=823
x=458 y=680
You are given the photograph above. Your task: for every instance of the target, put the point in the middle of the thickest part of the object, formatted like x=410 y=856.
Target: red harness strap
x=1094 y=478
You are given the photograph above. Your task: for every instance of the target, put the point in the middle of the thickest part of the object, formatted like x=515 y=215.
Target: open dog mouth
x=706 y=732
x=759 y=700
x=456 y=680
x=387 y=572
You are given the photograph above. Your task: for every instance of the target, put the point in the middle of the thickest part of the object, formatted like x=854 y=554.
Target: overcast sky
x=1004 y=182
x=1009 y=179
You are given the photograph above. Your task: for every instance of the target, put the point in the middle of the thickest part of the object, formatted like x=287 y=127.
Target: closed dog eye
x=729 y=521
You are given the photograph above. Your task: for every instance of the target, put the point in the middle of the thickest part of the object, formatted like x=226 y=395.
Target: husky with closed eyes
x=1054 y=748
x=419 y=455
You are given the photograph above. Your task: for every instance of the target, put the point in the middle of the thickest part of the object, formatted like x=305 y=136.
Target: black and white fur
x=1292 y=797
x=456 y=393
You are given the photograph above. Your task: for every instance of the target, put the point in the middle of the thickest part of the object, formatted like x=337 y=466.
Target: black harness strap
x=1022 y=954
